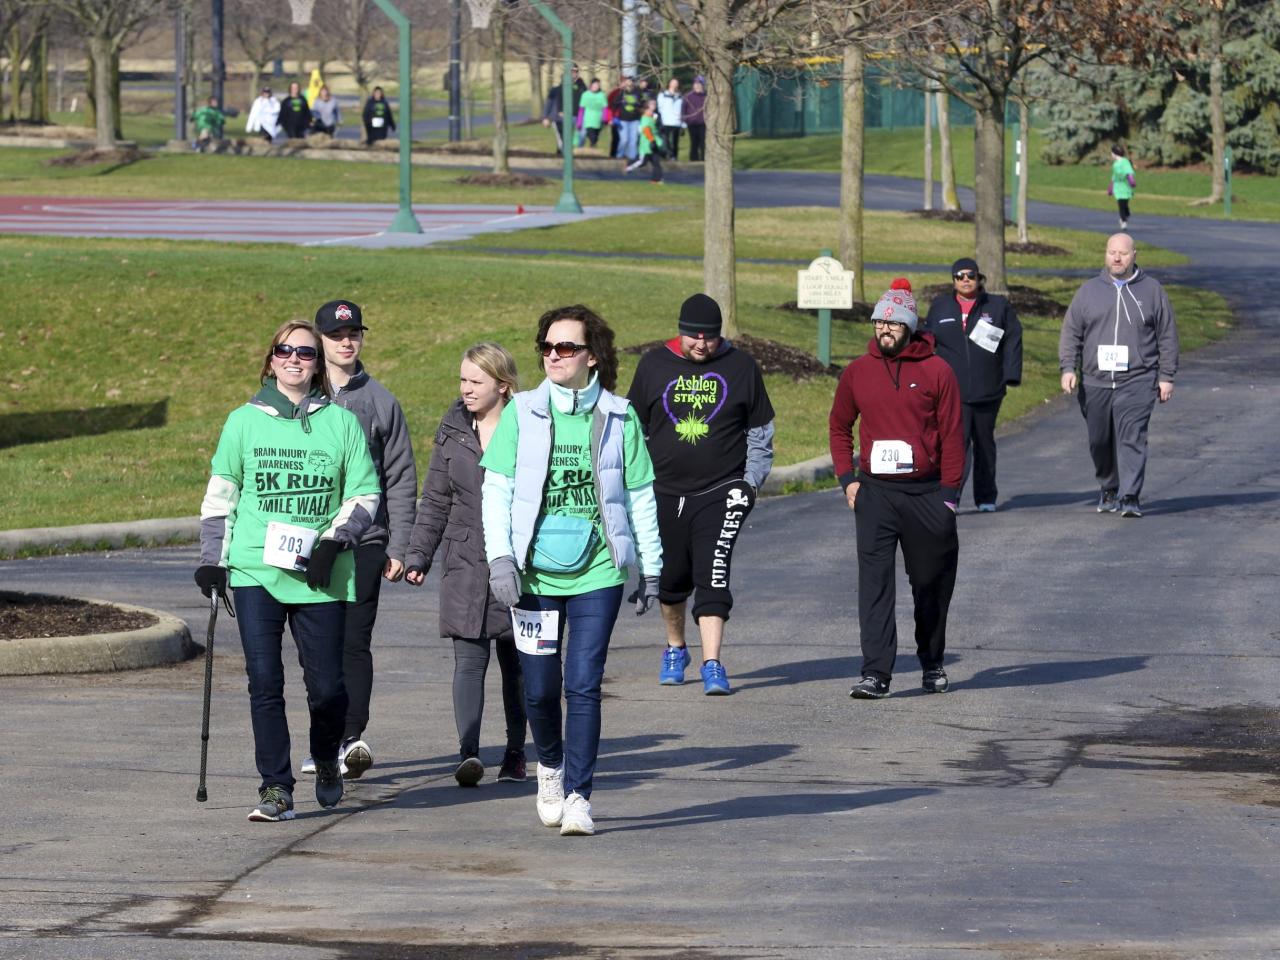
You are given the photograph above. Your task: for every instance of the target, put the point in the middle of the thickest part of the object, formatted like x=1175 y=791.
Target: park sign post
x=824 y=285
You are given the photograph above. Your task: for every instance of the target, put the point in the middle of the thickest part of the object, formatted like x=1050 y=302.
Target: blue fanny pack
x=563 y=544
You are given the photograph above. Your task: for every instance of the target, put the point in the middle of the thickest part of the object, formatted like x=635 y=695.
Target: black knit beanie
x=700 y=315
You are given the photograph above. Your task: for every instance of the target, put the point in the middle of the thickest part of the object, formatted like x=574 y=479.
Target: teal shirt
x=295 y=477
x=571 y=490
x=593 y=104
x=1121 y=170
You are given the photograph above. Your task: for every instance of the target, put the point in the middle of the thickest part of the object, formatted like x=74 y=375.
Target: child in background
x=651 y=144
x=591 y=108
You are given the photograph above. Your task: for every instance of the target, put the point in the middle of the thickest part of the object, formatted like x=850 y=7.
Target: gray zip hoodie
x=384 y=426
x=1133 y=313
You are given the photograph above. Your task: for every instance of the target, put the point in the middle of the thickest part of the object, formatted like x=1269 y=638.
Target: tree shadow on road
x=767 y=805
x=798 y=671
x=1040 y=674
x=1208 y=502
x=1023 y=501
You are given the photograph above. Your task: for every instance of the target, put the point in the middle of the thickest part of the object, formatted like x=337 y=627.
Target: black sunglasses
x=285 y=350
x=564 y=349
x=966 y=275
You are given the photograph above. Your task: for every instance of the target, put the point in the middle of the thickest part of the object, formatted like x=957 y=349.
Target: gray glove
x=504 y=581
x=644 y=595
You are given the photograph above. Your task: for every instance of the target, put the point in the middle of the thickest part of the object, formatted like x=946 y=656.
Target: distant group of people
x=294 y=116
x=645 y=125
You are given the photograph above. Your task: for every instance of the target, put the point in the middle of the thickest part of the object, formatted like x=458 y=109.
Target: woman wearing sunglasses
x=449 y=513
x=292 y=486
x=568 y=505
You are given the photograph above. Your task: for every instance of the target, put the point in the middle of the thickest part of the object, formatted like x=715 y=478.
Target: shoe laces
x=328 y=773
x=550 y=786
x=276 y=795
x=673 y=657
x=713 y=670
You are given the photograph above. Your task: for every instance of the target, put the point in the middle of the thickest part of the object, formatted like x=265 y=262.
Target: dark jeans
x=672 y=137
x=980 y=448
x=470 y=664
x=590 y=618
x=926 y=528
x=698 y=535
x=357 y=658
x=317 y=633
x=697 y=141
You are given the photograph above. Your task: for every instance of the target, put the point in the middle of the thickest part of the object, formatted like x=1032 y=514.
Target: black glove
x=320 y=566
x=504 y=581
x=211 y=578
x=644 y=595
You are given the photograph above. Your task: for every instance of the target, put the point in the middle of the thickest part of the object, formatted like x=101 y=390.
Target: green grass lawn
x=103 y=329
x=900 y=153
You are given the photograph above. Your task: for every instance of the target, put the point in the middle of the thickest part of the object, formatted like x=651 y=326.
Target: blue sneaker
x=674 y=661
x=714 y=681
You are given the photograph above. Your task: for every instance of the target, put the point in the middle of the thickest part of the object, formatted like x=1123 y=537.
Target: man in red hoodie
x=904 y=488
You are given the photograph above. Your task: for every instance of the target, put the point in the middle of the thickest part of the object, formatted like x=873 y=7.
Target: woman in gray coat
x=450 y=511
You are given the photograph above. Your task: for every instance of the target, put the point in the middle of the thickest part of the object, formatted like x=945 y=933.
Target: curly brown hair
x=599 y=339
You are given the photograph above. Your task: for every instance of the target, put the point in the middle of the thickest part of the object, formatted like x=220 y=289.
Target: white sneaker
x=356 y=757
x=309 y=766
x=550 y=795
x=576 y=820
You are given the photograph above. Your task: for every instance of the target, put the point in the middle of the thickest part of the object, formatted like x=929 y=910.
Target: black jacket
x=450 y=511
x=983 y=375
x=295 y=116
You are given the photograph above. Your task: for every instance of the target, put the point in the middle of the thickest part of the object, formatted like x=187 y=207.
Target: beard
x=893 y=349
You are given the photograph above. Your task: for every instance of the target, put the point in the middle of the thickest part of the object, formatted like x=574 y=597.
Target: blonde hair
x=496 y=362
x=319 y=379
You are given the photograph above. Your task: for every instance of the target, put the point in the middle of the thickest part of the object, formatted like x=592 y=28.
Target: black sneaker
x=1107 y=503
x=328 y=783
x=1129 y=507
x=469 y=772
x=935 y=681
x=870 y=688
x=513 y=767
x=274 y=803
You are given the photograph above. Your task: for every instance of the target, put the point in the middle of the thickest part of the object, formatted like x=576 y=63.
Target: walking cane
x=201 y=794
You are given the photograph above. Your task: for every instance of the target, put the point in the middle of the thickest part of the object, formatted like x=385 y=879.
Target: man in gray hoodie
x=1120 y=333
x=380 y=553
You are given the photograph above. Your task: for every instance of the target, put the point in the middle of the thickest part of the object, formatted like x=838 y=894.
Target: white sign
x=825 y=285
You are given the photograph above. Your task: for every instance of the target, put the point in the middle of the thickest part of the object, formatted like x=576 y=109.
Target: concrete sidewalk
x=1099 y=784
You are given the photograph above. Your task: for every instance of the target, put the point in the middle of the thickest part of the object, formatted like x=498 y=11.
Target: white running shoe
x=309 y=766
x=550 y=795
x=576 y=820
x=356 y=757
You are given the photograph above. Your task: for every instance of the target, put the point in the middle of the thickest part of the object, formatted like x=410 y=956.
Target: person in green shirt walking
x=652 y=146
x=209 y=121
x=591 y=108
x=292 y=490
x=1122 y=183
x=567 y=505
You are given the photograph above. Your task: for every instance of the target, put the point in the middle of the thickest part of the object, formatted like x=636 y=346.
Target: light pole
x=404 y=220
x=455 y=71
x=219 y=60
x=568 y=202
x=180 y=75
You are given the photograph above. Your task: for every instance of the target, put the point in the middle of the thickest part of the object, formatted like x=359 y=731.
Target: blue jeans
x=317 y=632
x=590 y=618
x=629 y=142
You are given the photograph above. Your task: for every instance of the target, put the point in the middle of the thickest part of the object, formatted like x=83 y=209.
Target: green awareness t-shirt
x=571 y=491
x=1121 y=171
x=296 y=478
x=593 y=103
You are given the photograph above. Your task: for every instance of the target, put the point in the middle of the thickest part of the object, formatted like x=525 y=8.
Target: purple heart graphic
x=724 y=393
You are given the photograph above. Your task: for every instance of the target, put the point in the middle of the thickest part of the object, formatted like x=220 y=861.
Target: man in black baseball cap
x=337 y=314
x=709 y=426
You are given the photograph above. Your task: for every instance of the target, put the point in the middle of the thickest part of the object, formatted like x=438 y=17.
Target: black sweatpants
x=698 y=535
x=470 y=663
x=697 y=140
x=980 y=448
x=926 y=528
x=1117 y=420
x=357 y=658
x=671 y=135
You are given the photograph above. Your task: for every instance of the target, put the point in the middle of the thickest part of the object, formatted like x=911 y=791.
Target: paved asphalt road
x=1100 y=784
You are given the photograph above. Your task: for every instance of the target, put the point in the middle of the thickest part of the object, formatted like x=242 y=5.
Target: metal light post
x=455 y=71
x=219 y=60
x=180 y=75
x=404 y=220
x=1226 y=183
x=568 y=202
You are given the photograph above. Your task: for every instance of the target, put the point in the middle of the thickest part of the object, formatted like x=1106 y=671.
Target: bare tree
x=498 y=43
x=357 y=35
x=23 y=28
x=947 y=160
x=263 y=31
x=107 y=25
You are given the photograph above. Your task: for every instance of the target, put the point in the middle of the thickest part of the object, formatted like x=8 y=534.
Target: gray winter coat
x=384 y=426
x=1135 y=314
x=450 y=511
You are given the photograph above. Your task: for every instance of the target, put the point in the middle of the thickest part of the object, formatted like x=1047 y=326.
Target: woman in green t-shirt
x=567 y=506
x=1122 y=183
x=292 y=485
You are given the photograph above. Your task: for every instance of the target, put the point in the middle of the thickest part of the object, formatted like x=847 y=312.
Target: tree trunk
x=1024 y=126
x=255 y=78
x=988 y=189
x=117 y=112
x=40 y=81
x=15 y=73
x=498 y=39
x=103 y=92
x=468 y=90
x=535 y=87
x=90 y=90
x=928 y=150
x=949 y=199
x=1217 y=120
x=719 y=256
x=852 y=159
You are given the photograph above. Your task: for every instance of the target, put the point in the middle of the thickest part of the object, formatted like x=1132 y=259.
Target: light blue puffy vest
x=533 y=454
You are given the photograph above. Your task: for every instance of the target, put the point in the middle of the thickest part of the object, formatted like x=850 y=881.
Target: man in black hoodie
x=979 y=336
x=295 y=114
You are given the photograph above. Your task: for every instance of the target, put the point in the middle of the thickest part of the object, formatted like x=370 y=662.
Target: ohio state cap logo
x=342 y=312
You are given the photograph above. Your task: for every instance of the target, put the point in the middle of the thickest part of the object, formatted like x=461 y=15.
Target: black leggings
x=470 y=663
x=1124 y=209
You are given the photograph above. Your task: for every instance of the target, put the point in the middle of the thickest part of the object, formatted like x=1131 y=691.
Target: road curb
x=95 y=536
x=168 y=640
x=807 y=471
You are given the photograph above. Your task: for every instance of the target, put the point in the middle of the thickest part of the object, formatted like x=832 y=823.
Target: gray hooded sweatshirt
x=1133 y=313
x=384 y=426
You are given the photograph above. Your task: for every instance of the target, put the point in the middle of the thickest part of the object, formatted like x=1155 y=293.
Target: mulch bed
x=119 y=156
x=772 y=356
x=502 y=180
x=25 y=615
